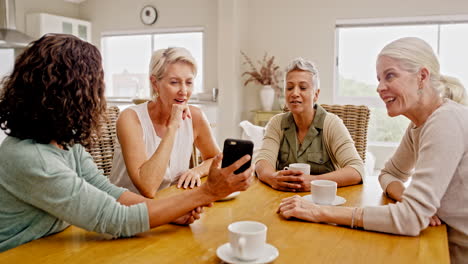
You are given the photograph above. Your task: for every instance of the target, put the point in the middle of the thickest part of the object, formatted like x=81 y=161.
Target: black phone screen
x=235 y=149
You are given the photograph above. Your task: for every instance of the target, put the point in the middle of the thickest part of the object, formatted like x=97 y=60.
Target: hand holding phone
x=235 y=149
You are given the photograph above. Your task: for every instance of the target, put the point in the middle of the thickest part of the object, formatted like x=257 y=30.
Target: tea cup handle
x=286 y=168
x=241 y=242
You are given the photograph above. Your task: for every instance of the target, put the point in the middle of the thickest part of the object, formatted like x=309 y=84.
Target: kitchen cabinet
x=38 y=24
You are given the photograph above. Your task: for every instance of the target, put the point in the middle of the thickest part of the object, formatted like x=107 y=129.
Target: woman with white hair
x=433 y=151
x=155 y=138
x=306 y=134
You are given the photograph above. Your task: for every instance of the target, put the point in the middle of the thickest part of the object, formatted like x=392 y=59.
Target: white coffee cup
x=323 y=191
x=247 y=239
x=304 y=167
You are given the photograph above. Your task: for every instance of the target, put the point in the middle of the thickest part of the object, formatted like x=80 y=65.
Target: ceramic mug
x=304 y=167
x=323 y=191
x=247 y=239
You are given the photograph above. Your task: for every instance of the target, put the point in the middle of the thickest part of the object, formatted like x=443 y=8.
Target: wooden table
x=297 y=242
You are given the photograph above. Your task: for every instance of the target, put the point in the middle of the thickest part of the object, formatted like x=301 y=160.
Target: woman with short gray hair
x=306 y=134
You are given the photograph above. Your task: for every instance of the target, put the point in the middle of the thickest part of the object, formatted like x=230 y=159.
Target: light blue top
x=44 y=189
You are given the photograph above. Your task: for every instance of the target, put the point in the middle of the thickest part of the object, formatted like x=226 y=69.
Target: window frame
x=152 y=32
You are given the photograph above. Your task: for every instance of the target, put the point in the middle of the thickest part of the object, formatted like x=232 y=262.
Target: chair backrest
x=103 y=150
x=356 y=120
x=195 y=158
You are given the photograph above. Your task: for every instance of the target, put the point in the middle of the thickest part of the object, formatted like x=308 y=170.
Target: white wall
x=288 y=29
x=285 y=29
x=230 y=96
x=124 y=15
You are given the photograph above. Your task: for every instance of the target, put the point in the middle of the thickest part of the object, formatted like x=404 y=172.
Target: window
x=7 y=57
x=357 y=49
x=126 y=60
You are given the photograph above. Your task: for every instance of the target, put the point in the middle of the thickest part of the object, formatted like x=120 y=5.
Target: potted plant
x=268 y=75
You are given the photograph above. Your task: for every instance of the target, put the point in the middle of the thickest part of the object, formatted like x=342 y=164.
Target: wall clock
x=148 y=15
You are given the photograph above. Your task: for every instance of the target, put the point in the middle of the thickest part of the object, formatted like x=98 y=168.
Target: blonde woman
x=433 y=151
x=155 y=138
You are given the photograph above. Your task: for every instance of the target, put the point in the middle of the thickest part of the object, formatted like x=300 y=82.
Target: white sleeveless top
x=180 y=154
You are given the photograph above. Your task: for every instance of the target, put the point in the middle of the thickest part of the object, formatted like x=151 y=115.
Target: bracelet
x=352 y=217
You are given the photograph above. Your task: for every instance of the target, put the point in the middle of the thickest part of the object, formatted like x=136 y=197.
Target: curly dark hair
x=55 y=92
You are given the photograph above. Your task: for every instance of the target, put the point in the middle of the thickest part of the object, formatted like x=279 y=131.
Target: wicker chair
x=356 y=120
x=103 y=149
x=195 y=159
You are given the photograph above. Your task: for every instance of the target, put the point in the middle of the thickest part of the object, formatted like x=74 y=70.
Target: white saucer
x=338 y=199
x=224 y=252
x=229 y=197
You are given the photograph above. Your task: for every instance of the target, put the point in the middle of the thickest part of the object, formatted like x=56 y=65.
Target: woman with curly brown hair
x=50 y=106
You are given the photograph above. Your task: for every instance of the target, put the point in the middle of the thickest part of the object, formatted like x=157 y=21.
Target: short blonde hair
x=162 y=58
x=413 y=54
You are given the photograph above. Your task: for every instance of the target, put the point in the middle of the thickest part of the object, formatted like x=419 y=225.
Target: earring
x=420 y=88
x=155 y=91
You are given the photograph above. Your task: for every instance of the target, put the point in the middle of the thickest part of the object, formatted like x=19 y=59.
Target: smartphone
x=235 y=149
